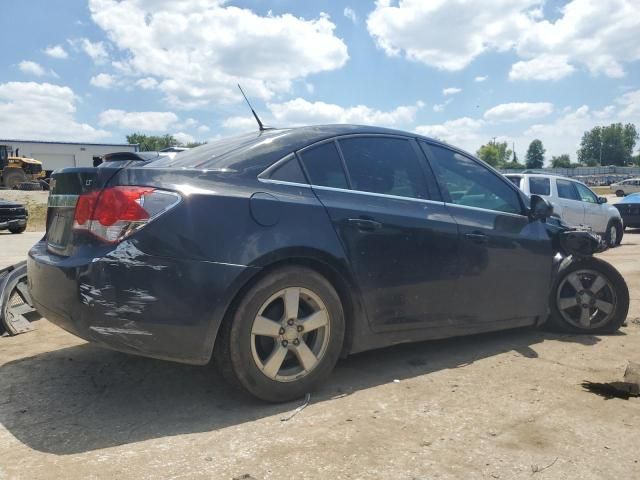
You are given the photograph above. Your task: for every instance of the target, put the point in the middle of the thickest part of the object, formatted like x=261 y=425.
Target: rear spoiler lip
x=134 y=156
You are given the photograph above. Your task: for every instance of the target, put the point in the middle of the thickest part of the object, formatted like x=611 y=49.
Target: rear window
x=515 y=179
x=539 y=186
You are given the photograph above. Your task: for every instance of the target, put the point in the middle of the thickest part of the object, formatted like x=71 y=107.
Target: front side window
x=383 y=165
x=567 y=189
x=324 y=166
x=539 y=186
x=586 y=195
x=470 y=184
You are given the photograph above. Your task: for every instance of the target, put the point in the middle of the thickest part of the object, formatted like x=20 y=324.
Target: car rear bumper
x=16 y=223
x=136 y=303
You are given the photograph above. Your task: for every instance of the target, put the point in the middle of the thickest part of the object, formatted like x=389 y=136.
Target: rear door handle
x=365 y=224
x=476 y=237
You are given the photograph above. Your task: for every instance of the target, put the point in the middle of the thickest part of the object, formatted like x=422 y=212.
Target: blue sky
x=461 y=71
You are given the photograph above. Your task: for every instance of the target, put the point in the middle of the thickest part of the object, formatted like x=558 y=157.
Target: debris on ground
x=537 y=469
x=307 y=399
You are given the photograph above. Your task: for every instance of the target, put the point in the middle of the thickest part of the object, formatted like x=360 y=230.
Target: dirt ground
x=504 y=405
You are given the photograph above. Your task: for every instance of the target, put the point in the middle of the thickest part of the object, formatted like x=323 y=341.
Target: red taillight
x=116 y=212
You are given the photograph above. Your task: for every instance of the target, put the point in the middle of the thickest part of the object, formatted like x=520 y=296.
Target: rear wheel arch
x=343 y=285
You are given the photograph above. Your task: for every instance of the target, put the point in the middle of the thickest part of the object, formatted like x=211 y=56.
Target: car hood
x=8 y=204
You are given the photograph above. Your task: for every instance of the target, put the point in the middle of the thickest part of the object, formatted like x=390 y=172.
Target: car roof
x=255 y=151
x=631 y=198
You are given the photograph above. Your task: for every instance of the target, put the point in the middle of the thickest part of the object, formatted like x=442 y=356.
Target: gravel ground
x=503 y=405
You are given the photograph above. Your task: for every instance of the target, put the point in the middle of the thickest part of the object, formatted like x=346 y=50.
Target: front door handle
x=365 y=224
x=477 y=237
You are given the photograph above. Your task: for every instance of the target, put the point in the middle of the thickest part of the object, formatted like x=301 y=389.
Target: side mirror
x=602 y=200
x=539 y=208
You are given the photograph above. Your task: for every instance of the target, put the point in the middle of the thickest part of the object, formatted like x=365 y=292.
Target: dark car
x=280 y=251
x=13 y=216
x=629 y=208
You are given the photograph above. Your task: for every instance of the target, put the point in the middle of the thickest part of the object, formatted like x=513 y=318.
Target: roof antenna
x=261 y=127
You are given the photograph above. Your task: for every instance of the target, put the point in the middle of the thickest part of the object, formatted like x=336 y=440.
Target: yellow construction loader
x=16 y=170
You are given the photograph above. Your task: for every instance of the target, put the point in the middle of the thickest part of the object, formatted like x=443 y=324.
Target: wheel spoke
x=291 y=302
x=568 y=302
x=274 y=362
x=585 y=317
x=305 y=355
x=575 y=282
x=606 y=307
x=265 y=327
x=315 y=320
x=597 y=284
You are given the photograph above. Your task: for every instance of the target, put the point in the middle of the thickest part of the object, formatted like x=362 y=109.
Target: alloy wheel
x=586 y=299
x=290 y=334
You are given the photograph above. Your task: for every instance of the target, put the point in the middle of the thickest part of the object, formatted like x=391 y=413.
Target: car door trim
x=381 y=195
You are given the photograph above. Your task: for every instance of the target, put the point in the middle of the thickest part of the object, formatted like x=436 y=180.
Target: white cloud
x=510 y=112
x=56 y=51
x=183 y=137
x=203 y=129
x=103 y=80
x=138 y=121
x=600 y=35
x=350 y=14
x=198 y=51
x=451 y=91
x=147 y=83
x=33 y=68
x=462 y=132
x=42 y=111
x=439 y=107
x=421 y=30
x=481 y=78
x=544 y=67
x=302 y=112
x=97 y=51
x=240 y=123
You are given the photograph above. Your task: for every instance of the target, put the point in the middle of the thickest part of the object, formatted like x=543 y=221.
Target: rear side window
x=383 y=165
x=567 y=189
x=288 y=171
x=324 y=166
x=539 y=186
x=470 y=184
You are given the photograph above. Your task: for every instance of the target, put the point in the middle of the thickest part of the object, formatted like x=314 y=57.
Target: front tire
x=285 y=335
x=18 y=230
x=614 y=233
x=619 y=193
x=588 y=296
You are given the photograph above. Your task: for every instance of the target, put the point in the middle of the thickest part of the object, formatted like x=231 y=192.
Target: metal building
x=55 y=155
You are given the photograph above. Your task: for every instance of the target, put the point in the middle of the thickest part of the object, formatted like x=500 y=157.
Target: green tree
x=495 y=154
x=535 y=154
x=611 y=145
x=194 y=144
x=152 y=143
x=561 y=161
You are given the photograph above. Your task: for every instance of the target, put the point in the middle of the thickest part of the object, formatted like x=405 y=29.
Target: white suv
x=626 y=187
x=574 y=203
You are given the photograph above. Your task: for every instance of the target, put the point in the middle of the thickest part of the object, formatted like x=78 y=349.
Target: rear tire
x=588 y=296
x=270 y=348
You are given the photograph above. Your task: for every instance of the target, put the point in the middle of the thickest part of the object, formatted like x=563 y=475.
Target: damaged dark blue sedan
x=279 y=251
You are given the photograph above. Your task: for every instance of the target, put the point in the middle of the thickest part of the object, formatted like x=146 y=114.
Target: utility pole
x=601 y=142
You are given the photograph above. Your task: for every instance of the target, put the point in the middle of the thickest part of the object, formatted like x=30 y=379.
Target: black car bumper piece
x=136 y=303
x=14 y=224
